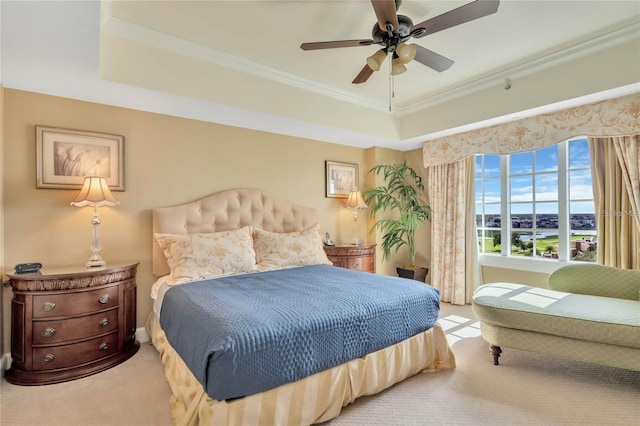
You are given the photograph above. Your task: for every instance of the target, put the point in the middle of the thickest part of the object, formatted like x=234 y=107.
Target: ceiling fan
x=392 y=31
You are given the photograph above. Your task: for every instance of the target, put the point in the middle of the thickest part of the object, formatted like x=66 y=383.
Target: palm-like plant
x=402 y=195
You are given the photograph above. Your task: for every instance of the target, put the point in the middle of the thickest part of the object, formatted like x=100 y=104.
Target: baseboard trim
x=142 y=335
x=5 y=364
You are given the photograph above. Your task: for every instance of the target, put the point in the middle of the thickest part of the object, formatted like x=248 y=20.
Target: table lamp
x=355 y=202
x=96 y=193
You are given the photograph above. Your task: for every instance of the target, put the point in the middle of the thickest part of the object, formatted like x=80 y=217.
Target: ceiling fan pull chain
x=393 y=86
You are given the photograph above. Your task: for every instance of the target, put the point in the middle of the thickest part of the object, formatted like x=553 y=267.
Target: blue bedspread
x=246 y=334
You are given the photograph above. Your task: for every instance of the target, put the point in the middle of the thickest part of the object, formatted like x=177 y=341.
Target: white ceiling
x=239 y=62
x=267 y=34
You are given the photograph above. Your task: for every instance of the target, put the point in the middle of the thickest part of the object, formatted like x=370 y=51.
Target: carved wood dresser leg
x=495 y=352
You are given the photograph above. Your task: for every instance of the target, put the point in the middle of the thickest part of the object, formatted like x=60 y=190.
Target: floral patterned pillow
x=198 y=256
x=275 y=250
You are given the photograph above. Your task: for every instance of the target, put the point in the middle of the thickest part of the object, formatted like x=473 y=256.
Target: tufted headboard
x=226 y=211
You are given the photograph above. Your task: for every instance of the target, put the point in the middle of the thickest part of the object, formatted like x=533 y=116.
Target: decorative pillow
x=275 y=250
x=197 y=256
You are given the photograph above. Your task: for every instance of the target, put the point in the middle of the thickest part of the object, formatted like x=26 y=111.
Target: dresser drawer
x=51 y=358
x=56 y=331
x=365 y=263
x=341 y=262
x=359 y=258
x=57 y=305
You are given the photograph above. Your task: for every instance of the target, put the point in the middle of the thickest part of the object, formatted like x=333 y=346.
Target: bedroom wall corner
x=423 y=234
x=3 y=308
x=5 y=293
x=375 y=156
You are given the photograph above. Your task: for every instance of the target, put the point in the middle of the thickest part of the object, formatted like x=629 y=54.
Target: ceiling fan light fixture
x=375 y=61
x=406 y=52
x=397 y=67
x=391 y=31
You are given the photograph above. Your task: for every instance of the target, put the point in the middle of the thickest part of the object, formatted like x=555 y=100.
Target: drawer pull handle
x=49 y=306
x=48 y=332
x=104 y=322
x=104 y=299
x=48 y=358
x=104 y=346
x=355 y=264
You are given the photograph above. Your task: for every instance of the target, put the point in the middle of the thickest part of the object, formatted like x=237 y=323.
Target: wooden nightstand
x=361 y=258
x=68 y=323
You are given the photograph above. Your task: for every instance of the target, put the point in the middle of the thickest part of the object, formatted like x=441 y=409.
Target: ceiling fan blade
x=363 y=76
x=466 y=13
x=432 y=59
x=386 y=13
x=335 y=44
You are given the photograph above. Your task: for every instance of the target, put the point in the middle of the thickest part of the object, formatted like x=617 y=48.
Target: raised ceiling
x=264 y=37
x=244 y=57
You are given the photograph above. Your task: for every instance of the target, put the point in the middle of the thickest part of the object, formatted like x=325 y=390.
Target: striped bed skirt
x=314 y=399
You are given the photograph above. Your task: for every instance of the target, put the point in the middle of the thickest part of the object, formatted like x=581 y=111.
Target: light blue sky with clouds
x=545 y=181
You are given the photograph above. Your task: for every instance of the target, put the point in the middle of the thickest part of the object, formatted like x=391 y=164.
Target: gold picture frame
x=64 y=157
x=341 y=178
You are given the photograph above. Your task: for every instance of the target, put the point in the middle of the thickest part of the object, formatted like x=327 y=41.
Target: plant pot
x=415 y=273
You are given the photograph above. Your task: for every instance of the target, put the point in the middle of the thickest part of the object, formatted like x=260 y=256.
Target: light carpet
x=525 y=389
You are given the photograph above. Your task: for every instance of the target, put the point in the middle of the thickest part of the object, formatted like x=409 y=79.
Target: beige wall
x=414 y=159
x=381 y=156
x=168 y=161
x=423 y=242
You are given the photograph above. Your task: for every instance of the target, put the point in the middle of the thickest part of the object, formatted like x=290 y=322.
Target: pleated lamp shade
x=95 y=192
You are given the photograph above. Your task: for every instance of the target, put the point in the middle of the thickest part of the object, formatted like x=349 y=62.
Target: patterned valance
x=612 y=117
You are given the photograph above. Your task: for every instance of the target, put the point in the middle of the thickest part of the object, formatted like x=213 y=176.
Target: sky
x=522 y=181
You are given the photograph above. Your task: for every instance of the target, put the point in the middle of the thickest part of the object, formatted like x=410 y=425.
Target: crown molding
x=117 y=26
x=607 y=41
x=122 y=28
x=558 y=106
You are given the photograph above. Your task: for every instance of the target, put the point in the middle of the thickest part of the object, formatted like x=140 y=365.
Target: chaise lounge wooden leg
x=495 y=352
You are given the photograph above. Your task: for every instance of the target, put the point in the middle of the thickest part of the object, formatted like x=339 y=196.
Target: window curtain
x=612 y=117
x=628 y=150
x=454 y=269
x=614 y=170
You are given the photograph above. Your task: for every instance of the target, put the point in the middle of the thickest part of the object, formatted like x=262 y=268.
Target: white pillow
x=276 y=250
x=197 y=256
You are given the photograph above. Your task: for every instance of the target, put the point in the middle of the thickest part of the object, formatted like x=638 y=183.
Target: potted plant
x=402 y=196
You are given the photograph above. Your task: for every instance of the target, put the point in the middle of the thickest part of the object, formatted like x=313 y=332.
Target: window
x=540 y=202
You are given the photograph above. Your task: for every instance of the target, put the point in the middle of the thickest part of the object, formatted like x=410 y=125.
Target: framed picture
x=64 y=157
x=341 y=178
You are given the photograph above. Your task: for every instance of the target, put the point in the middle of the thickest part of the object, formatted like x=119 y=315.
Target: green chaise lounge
x=589 y=313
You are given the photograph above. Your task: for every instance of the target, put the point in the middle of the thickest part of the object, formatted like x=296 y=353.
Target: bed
x=264 y=282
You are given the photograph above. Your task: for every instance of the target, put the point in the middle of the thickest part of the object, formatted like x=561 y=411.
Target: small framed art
x=341 y=178
x=64 y=157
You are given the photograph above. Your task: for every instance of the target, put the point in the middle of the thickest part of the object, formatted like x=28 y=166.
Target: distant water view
x=583 y=246
x=548 y=233
x=543 y=222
